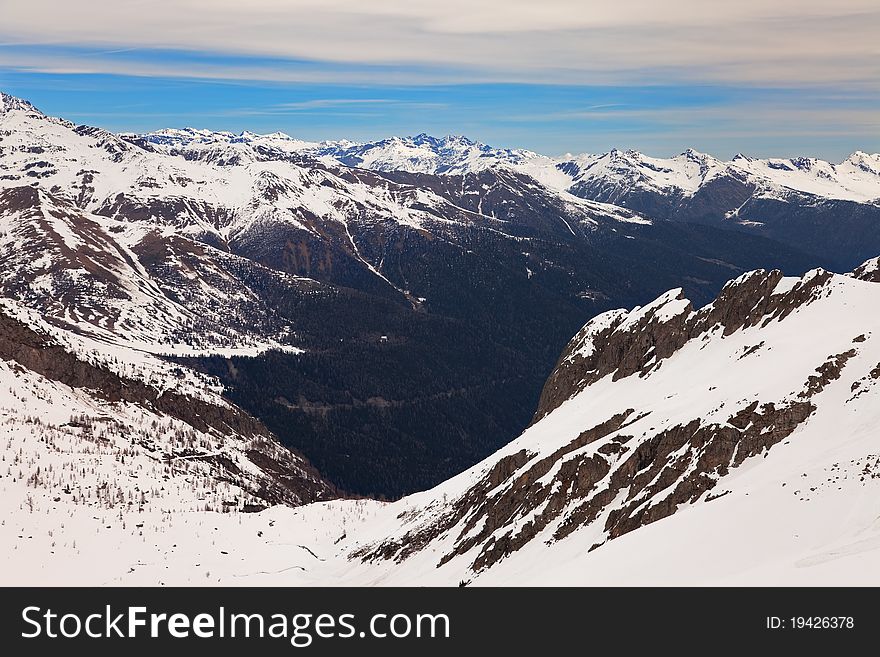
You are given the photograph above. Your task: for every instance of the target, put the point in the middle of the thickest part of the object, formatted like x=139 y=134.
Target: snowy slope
x=202 y=195
x=196 y=243
x=217 y=188
x=665 y=411
x=421 y=154
x=615 y=174
x=857 y=178
x=735 y=444
x=81 y=437
x=134 y=244
x=229 y=190
x=616 y=169
x=222 y=147
x=129 y=284
x=265 y=198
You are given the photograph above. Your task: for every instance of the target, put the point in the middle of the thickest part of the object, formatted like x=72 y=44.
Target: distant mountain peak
x=9 y=103
x=695 y=155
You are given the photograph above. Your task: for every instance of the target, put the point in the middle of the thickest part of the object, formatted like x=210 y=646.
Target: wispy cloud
x=345 y=103
x=556 y=41
x=331 y=106
x=319 y=103
x=849 y=121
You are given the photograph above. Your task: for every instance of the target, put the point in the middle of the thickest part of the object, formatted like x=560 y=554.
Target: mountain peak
x=868 y=271
x=694 y=154
x=424 y=139
x=9 y=103
x=865 y=161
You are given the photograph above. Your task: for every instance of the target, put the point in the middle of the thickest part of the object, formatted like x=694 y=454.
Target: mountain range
x=789 y=199
x=196 y=325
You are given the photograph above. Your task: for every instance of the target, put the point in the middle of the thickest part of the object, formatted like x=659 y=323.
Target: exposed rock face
x=615 y=343
x=9 y=103
x=869 y=271
x=526 y=494
x=828 y=371
x=674 y=467
x=708 y=453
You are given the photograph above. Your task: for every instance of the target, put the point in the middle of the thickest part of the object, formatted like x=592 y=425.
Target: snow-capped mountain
x=134 y=285
x=332 y=301
x=792 y=200
x=857 y=178
x=669 y=440
x=734 y=444
x=222 y=148
x=177 y=307
x=419 y=154
x=830 y=210
x=9 y=103
x=869 y=271
x=611 y=174
x=422 y=154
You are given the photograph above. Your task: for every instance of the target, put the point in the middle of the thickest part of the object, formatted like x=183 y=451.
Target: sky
x=782 y=78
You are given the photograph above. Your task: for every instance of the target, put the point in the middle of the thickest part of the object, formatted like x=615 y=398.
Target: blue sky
x=546 y=81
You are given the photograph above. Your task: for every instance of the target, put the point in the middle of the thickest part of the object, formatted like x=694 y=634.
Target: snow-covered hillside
x=735 y=444
x=419 y=154
x=130 y=284
x=83 y=439
x=797 y=201
x=180 y=227
x=197 y=193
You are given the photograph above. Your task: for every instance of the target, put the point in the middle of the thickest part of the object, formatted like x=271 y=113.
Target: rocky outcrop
x=622 y=344
x=827 y=372
x=868 y=271
x=687 y=461
x=525 y=494
x=522 y=495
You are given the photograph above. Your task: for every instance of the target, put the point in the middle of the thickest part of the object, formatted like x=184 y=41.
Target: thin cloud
x=331 y=106
x=319 y=103
x=556 y=41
